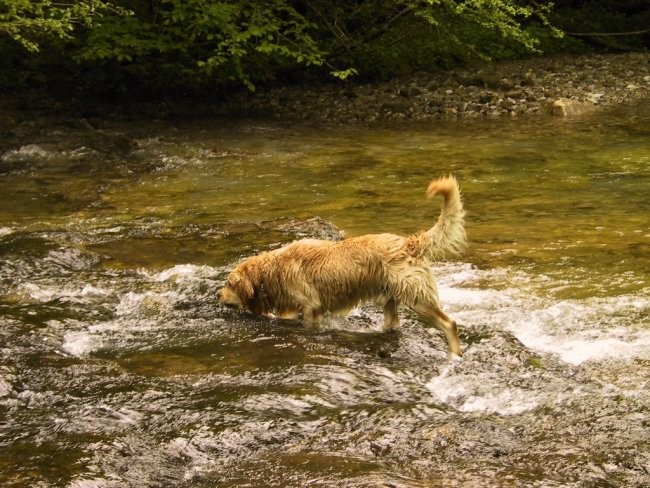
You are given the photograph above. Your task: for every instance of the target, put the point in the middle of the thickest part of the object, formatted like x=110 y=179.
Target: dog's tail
x=447 y=236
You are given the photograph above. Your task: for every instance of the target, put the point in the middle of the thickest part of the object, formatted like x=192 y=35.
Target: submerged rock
x=314 y=227
x=563 y=107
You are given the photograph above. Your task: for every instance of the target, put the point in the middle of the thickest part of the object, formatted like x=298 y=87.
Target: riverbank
x=559 y=85
x=511 y=88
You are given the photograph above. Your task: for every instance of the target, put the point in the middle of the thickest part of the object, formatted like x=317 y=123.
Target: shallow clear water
x=119 y=368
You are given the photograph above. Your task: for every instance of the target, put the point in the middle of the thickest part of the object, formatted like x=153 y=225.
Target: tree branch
x=606 y=34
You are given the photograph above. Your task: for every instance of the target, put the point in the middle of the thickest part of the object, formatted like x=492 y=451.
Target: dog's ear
x=243 y=287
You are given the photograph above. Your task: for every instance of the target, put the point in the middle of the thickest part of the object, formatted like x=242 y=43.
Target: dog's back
x=326 y=276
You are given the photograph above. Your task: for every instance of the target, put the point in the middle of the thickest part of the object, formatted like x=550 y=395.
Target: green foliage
x=219 y=41
x=503 y=17
x=387 y=38
x=26 y=22
x=202 y=45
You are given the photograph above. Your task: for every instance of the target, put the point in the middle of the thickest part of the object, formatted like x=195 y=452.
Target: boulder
x=563 y=107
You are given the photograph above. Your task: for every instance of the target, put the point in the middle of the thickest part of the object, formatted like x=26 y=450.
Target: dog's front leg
x=310 y=317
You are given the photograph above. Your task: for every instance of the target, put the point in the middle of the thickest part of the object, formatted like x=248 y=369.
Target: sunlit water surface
x=119 y=368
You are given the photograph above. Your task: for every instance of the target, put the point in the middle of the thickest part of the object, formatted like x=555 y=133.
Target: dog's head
x=244 y=291
x=237 y=292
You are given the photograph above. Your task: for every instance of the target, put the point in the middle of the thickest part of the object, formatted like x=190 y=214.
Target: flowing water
x=119 y=368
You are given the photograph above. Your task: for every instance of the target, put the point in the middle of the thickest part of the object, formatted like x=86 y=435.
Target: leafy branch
x=26 y=22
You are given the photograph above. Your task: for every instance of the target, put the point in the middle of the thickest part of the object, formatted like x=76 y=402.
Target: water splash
x=576 y=330
x=29 y=152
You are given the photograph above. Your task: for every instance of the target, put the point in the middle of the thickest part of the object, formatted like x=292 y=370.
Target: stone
x=594 y=97
x=514 y=93
x=563 y=107
x=395 y=106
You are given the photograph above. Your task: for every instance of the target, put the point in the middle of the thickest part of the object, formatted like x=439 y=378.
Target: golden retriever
x=311 y=277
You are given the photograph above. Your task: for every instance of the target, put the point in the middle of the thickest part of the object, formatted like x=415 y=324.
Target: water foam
x=577 y=330
x=29 y=152
x=181 y=272
x=480 y=395
x=143 y=318
x=274 y=403
x=89 y=483
x=592 y=329
x=7 y=380
x=80 y=343
x=82 y=293
x=149 y=303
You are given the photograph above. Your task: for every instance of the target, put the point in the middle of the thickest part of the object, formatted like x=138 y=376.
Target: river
x=118 y=367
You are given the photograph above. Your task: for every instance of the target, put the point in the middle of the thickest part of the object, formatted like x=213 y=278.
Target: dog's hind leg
x=391 y=317
x=431 y=310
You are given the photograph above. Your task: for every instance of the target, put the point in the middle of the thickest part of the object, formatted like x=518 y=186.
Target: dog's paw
x=455 y=357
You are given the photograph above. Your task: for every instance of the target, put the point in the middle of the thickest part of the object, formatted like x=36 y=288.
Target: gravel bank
x=513 y=88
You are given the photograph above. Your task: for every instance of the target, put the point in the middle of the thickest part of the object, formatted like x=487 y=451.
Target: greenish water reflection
x=557 y=196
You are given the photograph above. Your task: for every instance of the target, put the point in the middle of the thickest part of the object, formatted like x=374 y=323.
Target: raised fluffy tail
x=447 y=236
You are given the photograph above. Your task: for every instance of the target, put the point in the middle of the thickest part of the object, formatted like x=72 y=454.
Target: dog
x=311 y=277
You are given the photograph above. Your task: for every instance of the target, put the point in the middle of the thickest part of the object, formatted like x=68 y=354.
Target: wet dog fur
x=311 y=277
